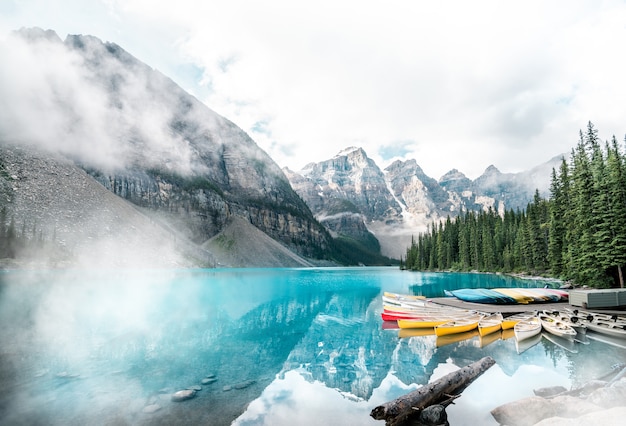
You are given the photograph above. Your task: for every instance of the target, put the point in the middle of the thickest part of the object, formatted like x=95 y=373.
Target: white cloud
x=471 y=83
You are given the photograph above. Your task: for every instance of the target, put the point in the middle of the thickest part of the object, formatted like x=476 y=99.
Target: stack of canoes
x=509 y=296
x=607 y=324
x=417 y=313
x=414 y=315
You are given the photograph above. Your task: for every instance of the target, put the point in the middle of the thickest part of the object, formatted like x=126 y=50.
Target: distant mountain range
x=191 y=187
x=350 y=194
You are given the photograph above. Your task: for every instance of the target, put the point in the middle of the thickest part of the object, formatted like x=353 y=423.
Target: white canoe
x=527 y=328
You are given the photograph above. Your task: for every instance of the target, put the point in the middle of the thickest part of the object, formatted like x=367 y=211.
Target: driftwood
x=442 y=392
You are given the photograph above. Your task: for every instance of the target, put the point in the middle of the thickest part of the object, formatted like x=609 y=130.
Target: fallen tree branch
x=438 y=392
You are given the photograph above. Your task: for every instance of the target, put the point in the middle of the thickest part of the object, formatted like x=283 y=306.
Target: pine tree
x=616 y=188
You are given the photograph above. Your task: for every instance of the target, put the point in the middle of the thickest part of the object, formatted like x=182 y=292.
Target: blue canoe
x=483 y=295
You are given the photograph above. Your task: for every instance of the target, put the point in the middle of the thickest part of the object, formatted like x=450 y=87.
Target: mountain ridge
x=400 y=201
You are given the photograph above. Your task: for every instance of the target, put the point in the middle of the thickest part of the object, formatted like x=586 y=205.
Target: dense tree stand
x=406 y=409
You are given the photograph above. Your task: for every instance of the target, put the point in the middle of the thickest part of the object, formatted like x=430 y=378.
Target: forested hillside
x=577 y=234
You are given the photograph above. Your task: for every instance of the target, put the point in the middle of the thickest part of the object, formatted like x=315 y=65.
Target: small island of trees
x=578 y=234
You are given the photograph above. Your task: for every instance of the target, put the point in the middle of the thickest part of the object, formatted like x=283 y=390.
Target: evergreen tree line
x=578 y=234
x=20 y=241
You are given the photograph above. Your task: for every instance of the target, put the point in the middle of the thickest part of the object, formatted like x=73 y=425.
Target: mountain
x=176 y=164
x=395 y=204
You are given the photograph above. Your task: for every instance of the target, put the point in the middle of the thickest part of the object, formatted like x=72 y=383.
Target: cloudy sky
x=452 y=84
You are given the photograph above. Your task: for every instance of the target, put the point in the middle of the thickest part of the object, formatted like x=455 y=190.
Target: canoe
x=527 y=328
x=395 y=316
x=482 y=295
x=458 y=325
x=549 y=295
x=519 y=297
x=563 y=295
x=556 y=327
x=410 y=297
x=614 y=329
x=490 y=324
x=424 y=323
x=433 y=319
x=414 y=311
x=404 y=302
x=538 y=297
x=573 y=321
x=510 y=321
x=590 y=316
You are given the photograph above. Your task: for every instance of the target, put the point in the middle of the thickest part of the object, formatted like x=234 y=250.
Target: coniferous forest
x=578 y=234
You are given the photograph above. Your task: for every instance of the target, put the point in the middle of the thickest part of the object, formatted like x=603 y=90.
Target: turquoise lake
x=273 y=346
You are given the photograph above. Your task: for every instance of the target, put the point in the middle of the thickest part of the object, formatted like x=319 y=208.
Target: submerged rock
x=195 y=387
x=183 y=395
x=244 y=385
x=549 y=391
x=208 y=381
x=152 y=408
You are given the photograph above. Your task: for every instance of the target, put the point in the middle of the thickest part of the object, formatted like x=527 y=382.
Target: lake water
x=278 y=346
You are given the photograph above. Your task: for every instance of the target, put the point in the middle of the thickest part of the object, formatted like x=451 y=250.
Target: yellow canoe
x=490 y=324
x=429 y=322
x=458 y=326
x=517 y=295
x=510 y=321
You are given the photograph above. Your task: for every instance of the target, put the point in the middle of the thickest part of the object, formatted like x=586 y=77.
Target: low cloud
x=104 y=110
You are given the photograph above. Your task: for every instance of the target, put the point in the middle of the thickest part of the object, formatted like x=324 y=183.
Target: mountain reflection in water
x=286 y=346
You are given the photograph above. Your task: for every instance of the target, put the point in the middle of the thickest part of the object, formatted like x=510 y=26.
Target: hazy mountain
x=143 y=138
x=402 y=200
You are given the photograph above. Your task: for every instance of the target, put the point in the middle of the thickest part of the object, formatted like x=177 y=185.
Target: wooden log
x=437 y=392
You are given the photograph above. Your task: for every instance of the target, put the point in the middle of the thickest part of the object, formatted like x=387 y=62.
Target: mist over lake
x=266 y=347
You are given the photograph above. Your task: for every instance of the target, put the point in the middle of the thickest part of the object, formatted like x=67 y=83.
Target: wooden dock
x=512 y=309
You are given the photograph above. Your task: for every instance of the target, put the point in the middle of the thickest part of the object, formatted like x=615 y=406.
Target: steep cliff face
x=148 y=141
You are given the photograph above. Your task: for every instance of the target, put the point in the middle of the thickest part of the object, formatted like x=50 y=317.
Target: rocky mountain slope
x=352 y=196
x=148 y=142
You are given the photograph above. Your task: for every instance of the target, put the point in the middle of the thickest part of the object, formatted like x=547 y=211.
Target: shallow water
x=287 y=346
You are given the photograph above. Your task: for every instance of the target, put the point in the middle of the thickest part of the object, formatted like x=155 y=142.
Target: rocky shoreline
x=597 y=402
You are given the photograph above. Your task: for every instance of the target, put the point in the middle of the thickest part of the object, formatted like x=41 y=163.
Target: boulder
x=523 y=412
x=611 y=417
x=608 y=397
x=572 y=407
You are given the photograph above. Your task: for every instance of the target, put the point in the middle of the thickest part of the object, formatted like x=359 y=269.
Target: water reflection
x=280 y=347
